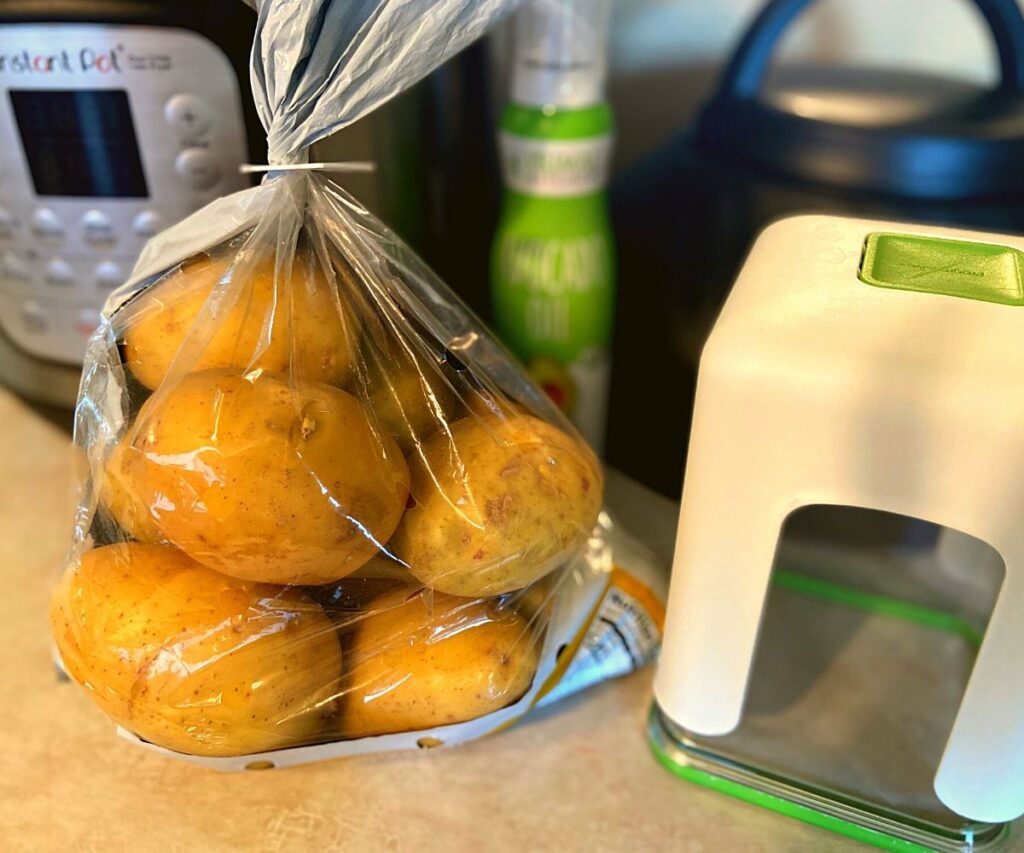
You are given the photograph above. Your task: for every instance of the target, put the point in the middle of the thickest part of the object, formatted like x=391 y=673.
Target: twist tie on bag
x=350 y=166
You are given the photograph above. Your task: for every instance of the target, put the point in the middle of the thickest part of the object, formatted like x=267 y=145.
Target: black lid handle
x=742 y=77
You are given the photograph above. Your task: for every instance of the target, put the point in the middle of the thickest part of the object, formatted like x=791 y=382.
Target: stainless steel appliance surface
x=116 y=120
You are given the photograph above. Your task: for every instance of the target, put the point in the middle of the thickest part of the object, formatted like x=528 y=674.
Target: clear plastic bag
x=323 y=505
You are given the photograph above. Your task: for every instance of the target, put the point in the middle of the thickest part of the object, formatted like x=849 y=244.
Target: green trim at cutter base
x=838 y=594
x=811 y=587
x=785 y=807
x=982 y=271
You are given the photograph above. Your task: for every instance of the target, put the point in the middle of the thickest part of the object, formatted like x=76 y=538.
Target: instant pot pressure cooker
x=116 y=120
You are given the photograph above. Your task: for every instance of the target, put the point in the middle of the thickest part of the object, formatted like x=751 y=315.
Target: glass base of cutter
x=852 y=698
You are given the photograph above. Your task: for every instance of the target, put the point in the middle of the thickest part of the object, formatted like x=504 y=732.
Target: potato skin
x=193 y=660
x=347 y=600
x=307 y=331
x=500 y=503
x=117 y=495
x=410 y=399
x=264 y=479
x=432 y=660
x=537 y=601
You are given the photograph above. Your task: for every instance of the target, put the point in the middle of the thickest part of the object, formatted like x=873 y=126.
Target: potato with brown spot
x=289 y=322
x=500 y=502
x=194 y=660
x=433 y=660
x=265 y=479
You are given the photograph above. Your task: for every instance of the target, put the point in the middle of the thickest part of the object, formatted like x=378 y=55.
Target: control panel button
x=7 y=223
x=108 y=275
x=147 y=223
x=34 y=318
x=188 y=114
x=198 y=167
x=88 y=320
x=59 y=273
x=14 y=268
x=46 y=224
x=97 y=227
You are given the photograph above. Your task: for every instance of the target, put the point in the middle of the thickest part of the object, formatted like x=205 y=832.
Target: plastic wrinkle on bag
x=325 y=512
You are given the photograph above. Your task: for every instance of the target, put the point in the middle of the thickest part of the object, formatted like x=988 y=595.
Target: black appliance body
x=809 y=140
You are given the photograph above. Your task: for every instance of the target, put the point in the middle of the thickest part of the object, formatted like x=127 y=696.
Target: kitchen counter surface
x=577 y=776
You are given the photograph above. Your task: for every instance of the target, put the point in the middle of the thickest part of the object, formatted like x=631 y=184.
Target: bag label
x=624 y=634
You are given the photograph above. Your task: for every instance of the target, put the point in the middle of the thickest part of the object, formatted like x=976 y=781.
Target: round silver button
x=147 y=223
x=46 y=224
x=34 y=318
x=188 y=114
x=108 y=275
x=88 y=320
x=59 y=273
x=14 y=268
x=97 y=227
x=198 y=167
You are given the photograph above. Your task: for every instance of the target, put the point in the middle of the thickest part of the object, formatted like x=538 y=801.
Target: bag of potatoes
x=325 y=512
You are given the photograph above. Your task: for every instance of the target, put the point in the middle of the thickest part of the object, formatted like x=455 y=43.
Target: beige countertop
x=574 y=777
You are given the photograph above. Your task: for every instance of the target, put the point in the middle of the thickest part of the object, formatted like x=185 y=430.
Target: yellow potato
x=498 y=504
x=384 y=567
x=117 y=495
x=410 y=399
x=432 y=660
x=265 y=480
x=347 y=599
x=193 y=660
x=483 y=402
x=536 y=602
x=294 y=322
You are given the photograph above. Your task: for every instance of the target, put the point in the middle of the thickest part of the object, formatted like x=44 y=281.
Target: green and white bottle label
x=557 y=291
x=555 y=267
x=552 y=263
x=555 y=167
x=591 y=374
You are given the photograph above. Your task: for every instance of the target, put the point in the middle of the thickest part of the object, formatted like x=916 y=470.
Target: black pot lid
x=892 y=132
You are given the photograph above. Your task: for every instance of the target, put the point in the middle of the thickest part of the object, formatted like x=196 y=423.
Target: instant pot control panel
x=107 y=135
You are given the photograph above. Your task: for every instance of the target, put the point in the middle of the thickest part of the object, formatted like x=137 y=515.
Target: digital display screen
x=79 y=143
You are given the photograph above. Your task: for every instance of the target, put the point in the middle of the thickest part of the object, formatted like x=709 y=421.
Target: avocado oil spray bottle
x=552 y=262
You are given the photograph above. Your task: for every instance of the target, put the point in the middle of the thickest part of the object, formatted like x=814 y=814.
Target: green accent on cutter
x=786 y=807
x=837 y=593
x=823 y=590
x=982 y=271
